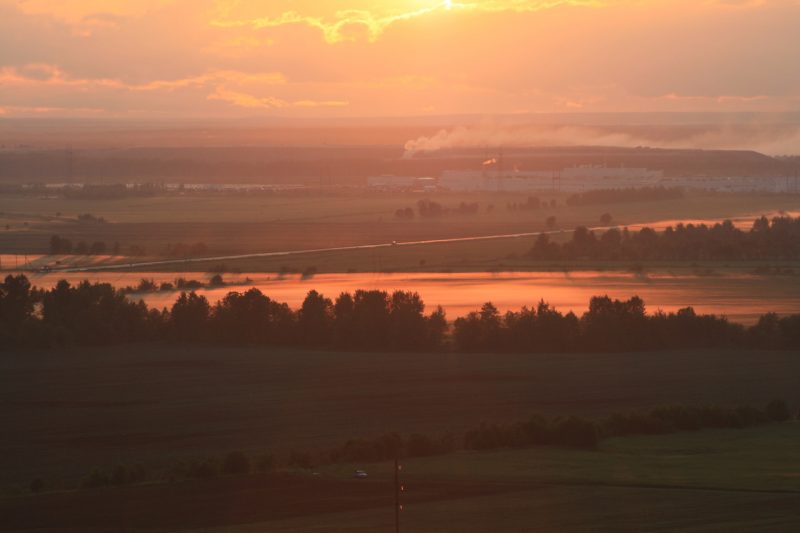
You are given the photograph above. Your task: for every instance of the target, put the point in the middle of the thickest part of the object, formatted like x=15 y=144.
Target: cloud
x=347 y=25
x=398 y=57
x=40 y=74
x=241 y=99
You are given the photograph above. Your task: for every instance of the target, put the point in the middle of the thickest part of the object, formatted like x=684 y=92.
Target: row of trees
x=95 y=314
x=61 y=245
x=431 y=209
x=579 y=432
x=614 y=325
x=778 y=238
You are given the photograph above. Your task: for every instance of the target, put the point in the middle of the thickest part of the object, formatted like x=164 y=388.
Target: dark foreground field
x=64 y=413
x=713 y=480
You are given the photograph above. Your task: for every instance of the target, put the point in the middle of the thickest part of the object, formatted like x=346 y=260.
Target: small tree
x=551 y=222
x=606 y=219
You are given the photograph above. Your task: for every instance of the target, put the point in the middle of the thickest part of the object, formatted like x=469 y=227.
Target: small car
x=359 y=474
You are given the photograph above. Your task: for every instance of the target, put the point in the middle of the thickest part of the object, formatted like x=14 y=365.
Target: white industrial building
x=577 y=179
x=569 y=179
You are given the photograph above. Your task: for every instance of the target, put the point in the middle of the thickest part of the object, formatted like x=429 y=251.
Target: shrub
x=265 y=463
x=96 y=478
x=422 y=446
x=485 y=437
x=196 y=469
x=236 y=463
x=37 y=485
x=777 y=411
x=302 y=460
x=575 y=432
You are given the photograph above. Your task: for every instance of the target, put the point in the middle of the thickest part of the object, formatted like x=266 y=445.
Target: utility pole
x=397 y=489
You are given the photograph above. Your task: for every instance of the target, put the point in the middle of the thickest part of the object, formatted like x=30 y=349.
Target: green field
x=296 y=221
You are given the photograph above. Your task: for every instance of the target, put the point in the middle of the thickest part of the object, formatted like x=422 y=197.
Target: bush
x=265 y=463
x=422 y=446
x=575 y=432
x=777 y=411
x=96 y=478
x=236 y=463
x=37 y=485
x=302 y=460
x=198 y=469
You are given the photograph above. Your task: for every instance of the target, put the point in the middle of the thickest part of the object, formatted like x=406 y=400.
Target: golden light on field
x=229 y=58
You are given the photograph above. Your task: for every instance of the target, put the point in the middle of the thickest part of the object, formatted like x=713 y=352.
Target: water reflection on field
x=742 y=297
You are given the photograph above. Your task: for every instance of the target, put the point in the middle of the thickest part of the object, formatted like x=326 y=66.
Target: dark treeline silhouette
x=99 y=314
x=579 y=432
x=614 y=325
x=775 y=239
x=614 y=196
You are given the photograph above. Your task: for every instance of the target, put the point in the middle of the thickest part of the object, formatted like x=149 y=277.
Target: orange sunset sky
x=229 y=58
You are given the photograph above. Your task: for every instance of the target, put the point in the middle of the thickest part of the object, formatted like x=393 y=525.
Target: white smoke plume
x=771 y=139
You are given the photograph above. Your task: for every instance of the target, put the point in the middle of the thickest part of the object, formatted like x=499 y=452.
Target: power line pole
x=397 y=488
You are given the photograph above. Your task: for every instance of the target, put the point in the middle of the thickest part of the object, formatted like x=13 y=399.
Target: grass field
x=306 y=221
x=67 y=412
x=713 y=480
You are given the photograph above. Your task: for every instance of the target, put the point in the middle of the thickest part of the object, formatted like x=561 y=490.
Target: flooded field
x=740 y=296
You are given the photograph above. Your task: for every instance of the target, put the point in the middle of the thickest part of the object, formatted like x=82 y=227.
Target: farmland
x=67 y=412
x=299 y=221
x=711 y=480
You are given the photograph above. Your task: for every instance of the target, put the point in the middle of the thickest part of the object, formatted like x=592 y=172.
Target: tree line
x=59 y=245
x=431 y=209
x=100 y=314
x=614 y=326
x=778 y=238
